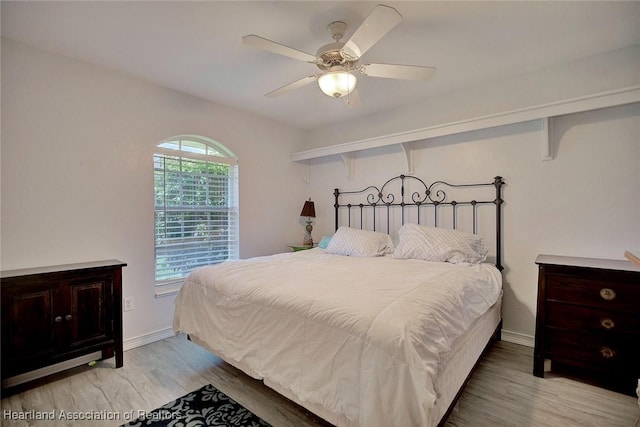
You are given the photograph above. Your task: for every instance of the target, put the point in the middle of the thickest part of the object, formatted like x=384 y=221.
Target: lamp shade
x=337 y=83
x=309 y=209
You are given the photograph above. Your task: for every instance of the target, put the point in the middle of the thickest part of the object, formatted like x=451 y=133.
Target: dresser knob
x=607 y=294
x=607 y=353
x=67 y=317
x=58 y=319
x=607 y=323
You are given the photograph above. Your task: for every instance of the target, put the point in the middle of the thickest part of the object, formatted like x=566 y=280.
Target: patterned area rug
x=206 y=406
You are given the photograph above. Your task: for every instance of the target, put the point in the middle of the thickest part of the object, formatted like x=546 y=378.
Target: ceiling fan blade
x=291 y=86
x=379 y=22
x=394 y=71
x=280 y=49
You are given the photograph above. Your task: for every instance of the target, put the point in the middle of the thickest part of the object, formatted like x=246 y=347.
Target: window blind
x=196 y=213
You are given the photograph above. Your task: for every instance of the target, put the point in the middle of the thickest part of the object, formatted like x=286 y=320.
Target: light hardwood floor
x=502 y=392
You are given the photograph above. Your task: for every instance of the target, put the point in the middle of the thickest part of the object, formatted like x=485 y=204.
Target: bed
x=370 y=330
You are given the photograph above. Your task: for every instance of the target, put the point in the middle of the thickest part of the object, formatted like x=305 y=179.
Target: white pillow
x=439 y=244
x=354 y=242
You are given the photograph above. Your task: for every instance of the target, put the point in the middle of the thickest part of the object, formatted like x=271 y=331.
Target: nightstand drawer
x=593 y=293
x=580 y=318
x=612 y=364
x=593 y=353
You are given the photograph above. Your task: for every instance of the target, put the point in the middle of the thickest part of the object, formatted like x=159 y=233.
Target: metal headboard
x=427 y=196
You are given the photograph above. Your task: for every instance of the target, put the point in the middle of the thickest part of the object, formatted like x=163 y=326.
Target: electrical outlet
x=128 y=304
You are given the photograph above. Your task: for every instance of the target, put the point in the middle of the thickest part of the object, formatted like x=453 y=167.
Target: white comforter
x=362 y=337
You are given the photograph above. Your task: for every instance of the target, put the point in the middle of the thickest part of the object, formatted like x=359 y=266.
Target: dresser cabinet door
x=87 y=310
x=28 y=327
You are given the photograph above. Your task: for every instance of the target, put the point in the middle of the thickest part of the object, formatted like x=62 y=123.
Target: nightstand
x=588 y=320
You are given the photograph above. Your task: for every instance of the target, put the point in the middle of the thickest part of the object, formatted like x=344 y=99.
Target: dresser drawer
x=610 y=364
x=573 y=317
x=593 y=292
x=604 y=355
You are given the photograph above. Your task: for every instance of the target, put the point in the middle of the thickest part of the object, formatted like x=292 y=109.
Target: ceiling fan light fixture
x=338 y=61
x=337 y=84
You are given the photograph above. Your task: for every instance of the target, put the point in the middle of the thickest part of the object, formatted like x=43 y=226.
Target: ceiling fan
x=338 y=61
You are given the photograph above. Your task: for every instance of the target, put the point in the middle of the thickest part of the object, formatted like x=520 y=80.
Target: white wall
x=77 y=171
x=583 y=203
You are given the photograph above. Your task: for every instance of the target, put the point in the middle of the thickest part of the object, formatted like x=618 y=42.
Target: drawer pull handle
x=607 y=323
x=607 y=353
x=67 y=317
x=607 y=294
x=58 y=319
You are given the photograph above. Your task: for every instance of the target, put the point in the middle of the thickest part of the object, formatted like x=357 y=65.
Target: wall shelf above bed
x=543 y=113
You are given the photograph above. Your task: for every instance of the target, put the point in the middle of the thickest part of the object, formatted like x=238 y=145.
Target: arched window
x=196 y=206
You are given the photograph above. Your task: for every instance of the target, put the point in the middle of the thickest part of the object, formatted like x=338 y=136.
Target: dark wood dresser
x=588 y=321
x=51 y=315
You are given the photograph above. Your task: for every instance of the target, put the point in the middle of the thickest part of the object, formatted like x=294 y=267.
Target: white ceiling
x=195 y=47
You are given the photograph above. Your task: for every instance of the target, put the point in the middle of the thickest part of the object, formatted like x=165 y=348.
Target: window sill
x=168 y=289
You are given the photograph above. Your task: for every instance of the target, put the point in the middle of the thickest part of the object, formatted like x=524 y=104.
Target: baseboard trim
x=145 y=339
x=518 y=338
x=51 y=369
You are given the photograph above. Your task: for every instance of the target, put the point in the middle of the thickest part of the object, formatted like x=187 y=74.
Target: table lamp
x=309 y=211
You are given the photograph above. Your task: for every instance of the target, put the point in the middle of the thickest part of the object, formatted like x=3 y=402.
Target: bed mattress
x=359 y=341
